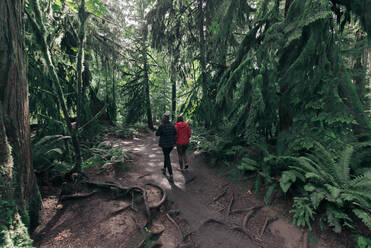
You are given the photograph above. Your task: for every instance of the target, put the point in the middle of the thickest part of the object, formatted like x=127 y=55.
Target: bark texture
x=19 y=195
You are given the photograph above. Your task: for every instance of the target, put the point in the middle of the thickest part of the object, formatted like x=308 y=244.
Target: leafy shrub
x=363 y=242
x=303 y=212
x=125 y=132
x=104 y=154
x=48 y=152
x=330 y=183
x=267 y=171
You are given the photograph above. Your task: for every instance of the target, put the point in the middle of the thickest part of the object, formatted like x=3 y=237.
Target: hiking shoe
x=180 y=169
x=171 y=179
x=163 y=171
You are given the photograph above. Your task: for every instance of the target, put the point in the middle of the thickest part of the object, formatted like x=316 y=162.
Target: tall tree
x=144 y=37
x=80 y=62
x=19 y=196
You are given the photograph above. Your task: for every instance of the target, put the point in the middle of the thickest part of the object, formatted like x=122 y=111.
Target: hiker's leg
x=167 y=160
x=164 y=169
x=180 y=157
x=185 y=155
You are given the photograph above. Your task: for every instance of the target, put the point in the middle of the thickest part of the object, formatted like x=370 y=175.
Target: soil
x=196 y=213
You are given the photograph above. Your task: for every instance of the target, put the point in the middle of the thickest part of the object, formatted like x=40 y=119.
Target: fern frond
x=355 y=199
x=342 y=167
x=364 y=216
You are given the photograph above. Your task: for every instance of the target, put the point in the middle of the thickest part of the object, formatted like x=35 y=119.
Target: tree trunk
x=114 y=106
x=173 y=83
x=80 y=61
x=145 y=68
x=285 y=113
x=19 y=196
x=369 y=74
x=146 y=90
x=173 y=98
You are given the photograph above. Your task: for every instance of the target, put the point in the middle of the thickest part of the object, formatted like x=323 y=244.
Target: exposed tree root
x=163 y=199
x=188 y=235
x=211 y=220
x=240 y=229
x=120 y=210
x=266 y=222
x=127 y=190
x=220 y=195
x=141 y=243
x=243 y=227
x=236 y=211
x=176 y=225
x=230 y=205
x=245 y=220
x=148 y=174
x=76 y=196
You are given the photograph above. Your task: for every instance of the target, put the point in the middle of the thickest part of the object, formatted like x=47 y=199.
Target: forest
x=277 y=93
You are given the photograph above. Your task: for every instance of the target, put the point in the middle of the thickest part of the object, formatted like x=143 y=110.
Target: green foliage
x=125 y=132
x=48 y=152
x=330 y=183
x=363 y=242
x=303 y=212
x=105 y=154
x=13 y=232
x=268 y=170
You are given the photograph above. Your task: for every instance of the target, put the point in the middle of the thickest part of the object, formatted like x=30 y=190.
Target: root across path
x=141 y=208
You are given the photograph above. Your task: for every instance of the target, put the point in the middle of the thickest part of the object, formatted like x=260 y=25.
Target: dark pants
x=167 y=163
x=182 y=155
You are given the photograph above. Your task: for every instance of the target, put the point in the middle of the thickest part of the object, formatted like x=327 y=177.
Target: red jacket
x=183 y=133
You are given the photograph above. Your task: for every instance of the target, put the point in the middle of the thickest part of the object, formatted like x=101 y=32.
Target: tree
x=19 y=196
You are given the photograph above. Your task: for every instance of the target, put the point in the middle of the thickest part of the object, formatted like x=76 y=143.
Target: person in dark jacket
x=167 y=133
x=182 y=140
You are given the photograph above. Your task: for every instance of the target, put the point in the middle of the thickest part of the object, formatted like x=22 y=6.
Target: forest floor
x=204 y=208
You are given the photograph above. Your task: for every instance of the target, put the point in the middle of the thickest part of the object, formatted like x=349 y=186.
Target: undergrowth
x=332 y=181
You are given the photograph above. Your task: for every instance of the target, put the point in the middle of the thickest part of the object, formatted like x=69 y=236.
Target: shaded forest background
x=277 y=89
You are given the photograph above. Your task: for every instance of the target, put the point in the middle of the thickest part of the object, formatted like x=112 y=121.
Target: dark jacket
x=183 y=133
x=167 y=133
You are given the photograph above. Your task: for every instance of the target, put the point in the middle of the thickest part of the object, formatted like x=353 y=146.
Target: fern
x=303 y=212
x=329 y=181
x=343 y=166
x=364 y=216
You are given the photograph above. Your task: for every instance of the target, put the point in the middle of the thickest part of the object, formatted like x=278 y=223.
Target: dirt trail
x=203 y=220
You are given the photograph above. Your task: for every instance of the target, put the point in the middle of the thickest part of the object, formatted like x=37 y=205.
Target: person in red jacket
x=182 y=140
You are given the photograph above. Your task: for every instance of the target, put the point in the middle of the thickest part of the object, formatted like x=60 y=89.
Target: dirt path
x=203 y=220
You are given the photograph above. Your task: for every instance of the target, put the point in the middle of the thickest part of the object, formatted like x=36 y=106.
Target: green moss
x=34 y=210
x=13 y=231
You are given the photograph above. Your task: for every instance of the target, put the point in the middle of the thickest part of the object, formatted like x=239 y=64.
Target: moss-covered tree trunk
x=19 y=195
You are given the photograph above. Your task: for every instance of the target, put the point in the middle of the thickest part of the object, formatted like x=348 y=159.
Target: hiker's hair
x=165 y=119
x=180 y=118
